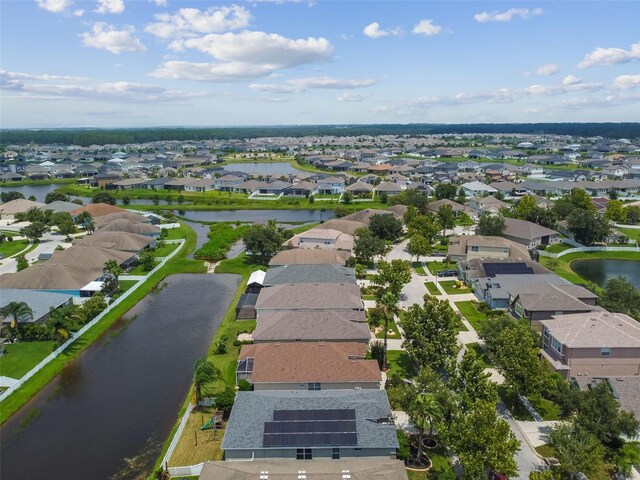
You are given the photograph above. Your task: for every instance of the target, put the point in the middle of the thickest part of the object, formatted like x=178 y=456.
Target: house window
x=335 y=454
x=314 y=386
x=557 y=346
x=605 y=352
x=303 y=454
x=474 y=248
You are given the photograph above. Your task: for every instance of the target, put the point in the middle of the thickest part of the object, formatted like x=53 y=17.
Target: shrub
x=404 y=449
x=225 y=399
x=244 y=386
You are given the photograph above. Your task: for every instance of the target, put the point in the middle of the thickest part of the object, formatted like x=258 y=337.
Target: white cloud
x=427 y=28
x=78 y=13
x=545 y=70
x=106 y=37
x=610 y=56
x=160 y=3
x=507 y=16
x=297 y=85
x=62 y=87
x=352 y=97
x=110 y=6
x=571 y=80
x=626 y=82
x=244 y=55
x=373 y=30
x=189 y=22
x=54 y=6
x=569 y=84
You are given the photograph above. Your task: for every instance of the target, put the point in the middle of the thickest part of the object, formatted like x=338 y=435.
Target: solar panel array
x=311 y=428
x=517 y=268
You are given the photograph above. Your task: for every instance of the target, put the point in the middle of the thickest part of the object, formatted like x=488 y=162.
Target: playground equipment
x=214 y=423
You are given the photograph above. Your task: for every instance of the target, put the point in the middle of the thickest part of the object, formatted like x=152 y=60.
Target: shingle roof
x=595 y=330
x=252 y=409
x=341 y=225
x=312 y=325
x=303 y=362
x=289 y=274
x=364 y=216
x=18 y=206
x=305 y=256
x=60 y=206
x=97 y=209
x=310 y=296
x=124 y=241
x=128 y=226
x=39 y=302
x=560 y=298
x=526 y=230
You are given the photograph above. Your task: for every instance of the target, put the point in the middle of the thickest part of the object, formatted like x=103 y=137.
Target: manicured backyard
x=453 y=287
x=19 y=358
x=471 y=314
x=400 y=364
x=9 y=249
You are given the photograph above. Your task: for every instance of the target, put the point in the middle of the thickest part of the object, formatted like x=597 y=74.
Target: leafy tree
x=360 y=271
x=34 y=214
x=483 y=441
x=377 y=351
x=64 y=222
x=21 y=263
x=471 y=383
x=10 y=195
x=225 y=399
x=103 y=197
x=83 y=217
x=204 y=373
x=620 y=295
x=418 y=246
x=312 y=199
x=576 y=449
x=446 y=218
x=426 y=225
x=55 y=196
x=126 y=200
x=431 y=333
x=342 y=211
x=580 y=199
x=411 y=198
x=624 y=458
x=347 y=197
x=541 y=475
x=445 y=190
x=615 y=211
x=613 y=194
x=387 y=308
x=367 y=245
x=113 y=268
x=525 y=206
x=464 y=219
x=528 y=210
x=156 y=200
x=17 y=311
x=34 y=231
x=491 y=225
x=147 y=260
x=386 y=226
x=599 y=414
x=92 y=307
x=587 y=226
x=265 y=240
x=180 y=199
x=392 y=276
x=633 y=214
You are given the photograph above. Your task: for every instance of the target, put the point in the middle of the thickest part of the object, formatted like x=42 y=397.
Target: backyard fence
x=75 y=336
x=544 y=253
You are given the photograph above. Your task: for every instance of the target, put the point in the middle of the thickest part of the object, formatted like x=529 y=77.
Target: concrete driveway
x=48 y=244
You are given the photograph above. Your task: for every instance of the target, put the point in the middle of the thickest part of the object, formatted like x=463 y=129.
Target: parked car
x=438 y=254
x=448 y=273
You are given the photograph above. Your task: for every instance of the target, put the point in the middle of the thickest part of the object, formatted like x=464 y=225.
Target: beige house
x=594 y=343
x=529 y=234
x=477 y=246
x=322 y=238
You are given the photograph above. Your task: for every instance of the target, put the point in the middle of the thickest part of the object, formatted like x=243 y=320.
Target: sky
x=137 y=63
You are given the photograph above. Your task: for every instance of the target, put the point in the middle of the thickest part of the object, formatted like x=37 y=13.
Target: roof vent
x=264 y=475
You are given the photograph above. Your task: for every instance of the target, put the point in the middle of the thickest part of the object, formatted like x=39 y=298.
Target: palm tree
x=204 y=373
x=16 y=311
x=387 y=305
x=58 y=326
x=424 y=412
x=113 y=268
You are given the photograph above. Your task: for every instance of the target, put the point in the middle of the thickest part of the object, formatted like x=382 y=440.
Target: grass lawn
x=605 y=472
x=187 y=452
x=557 y=248
x=448 y=287
x=400 y=364
x=175 y=233
x=514 y=404
x=546 y=408
x=126 y=285
x=441 y=467
x=9 y=249
x=393 y=331
x=471 y=314
x=139 y=270
x=419 y=268
x=435 y=267
x=482 y=355
x=433 y=290
x=562 y=265
x=22 y=357
x=165 y=250
x=368 y=297
x=632 y=233
x=178 y=264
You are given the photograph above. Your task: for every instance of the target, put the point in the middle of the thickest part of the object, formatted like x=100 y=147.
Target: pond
x=601 y=270
x=281 y=168
x=40 y=192
x=284 y=216
x=121 y=397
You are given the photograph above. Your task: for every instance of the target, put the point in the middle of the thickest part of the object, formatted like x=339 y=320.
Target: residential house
x=360 y=188
x=308 y=366
x=312 y=326
x=116 y=240
x=529 y=234
x=326 y=424
x=388 y=188
x=467 y=247
x=487 y=205
x=322 y=238
x=301 y=189
x=290 y=274
x=457 y=208
x=40 y=303
x=345 y=226
x=592 y=344
x=9 y=210
x=309 y=296
x=304 y=256
x=477 y=189
x=330 y=185
x=200 y=185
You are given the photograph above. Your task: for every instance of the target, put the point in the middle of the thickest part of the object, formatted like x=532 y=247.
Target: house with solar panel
x=310 y=425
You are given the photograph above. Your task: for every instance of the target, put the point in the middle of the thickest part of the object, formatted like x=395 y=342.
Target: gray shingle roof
x=309 y=274
x=312 y=325
x=310 y=296
x=40 y=302
x=252 y=409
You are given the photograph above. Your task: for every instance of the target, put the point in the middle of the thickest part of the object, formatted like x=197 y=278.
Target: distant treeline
x=86 y=137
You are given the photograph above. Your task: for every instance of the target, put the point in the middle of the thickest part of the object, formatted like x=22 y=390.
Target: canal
x=283 y=216
x=121 y=397
x=601 y=270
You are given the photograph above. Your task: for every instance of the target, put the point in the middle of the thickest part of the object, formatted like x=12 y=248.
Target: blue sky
x=129 y=63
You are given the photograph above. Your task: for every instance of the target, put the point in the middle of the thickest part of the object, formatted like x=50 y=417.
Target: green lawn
x=393 y=327
x=441 y=467
x=546 y=408
x=514 y=404
x=482 y=355
x=433 y=290
x=165 y=250
x=435 y=267
x=557 y=248
x=22 y=357
x=471 y=314
x=368 y=297
x=419 y=268
x=9 y=249
x=126 y=285
x=400 y=364
x=139 y=270
x=632 y=233
x=562 y=265
x=178 y=264
x=448 y=287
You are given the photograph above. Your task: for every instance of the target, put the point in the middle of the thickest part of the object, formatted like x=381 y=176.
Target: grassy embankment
x=178 y=264
x=51 y=181
x=562 y=265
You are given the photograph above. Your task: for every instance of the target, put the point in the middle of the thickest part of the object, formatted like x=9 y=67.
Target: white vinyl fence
x=544 y=253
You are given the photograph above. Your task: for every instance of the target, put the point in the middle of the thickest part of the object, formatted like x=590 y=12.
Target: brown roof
x=123 y=215
x=129 y=227
x=364 y=216
x=18 y=205
x=310 y=296
x=299 y=362
x=559 y=298
x=97 y=209
x=526 y=230
x=127 y=242
x=399 y=210
x=307 y=256
x=312 y=325
x=341 y=225
x=458 y=245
